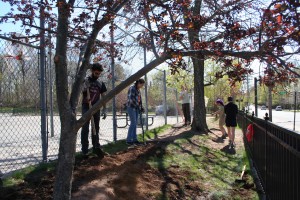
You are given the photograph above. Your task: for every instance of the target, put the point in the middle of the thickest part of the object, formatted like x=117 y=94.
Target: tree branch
x=98 y=25
x=86 y=116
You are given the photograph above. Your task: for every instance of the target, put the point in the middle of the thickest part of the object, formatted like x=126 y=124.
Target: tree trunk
x=66 y=158
x=199 y=120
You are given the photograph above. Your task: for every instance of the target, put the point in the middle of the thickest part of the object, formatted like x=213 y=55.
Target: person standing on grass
x=184 y=97
x=134 y=107
x=96 y=89
x=221 y=114
x=231 y=111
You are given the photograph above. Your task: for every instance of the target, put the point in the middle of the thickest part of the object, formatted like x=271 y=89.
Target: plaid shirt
x=134 y=98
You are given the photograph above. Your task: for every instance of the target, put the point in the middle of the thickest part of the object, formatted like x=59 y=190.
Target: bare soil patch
x=127 y=175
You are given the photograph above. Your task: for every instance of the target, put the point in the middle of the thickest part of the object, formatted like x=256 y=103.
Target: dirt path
x=127 y=175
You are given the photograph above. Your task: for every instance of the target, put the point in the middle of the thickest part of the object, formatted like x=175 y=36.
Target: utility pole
x=112 y=53
x=248 y=93
x=270 y=98
x=176 y=93
x=255 y=95
x=42 y=84
x=146 y=89
x=165 y=97
x=295 y=106
x=50 y=86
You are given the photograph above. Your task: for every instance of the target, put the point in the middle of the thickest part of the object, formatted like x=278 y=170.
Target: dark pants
x=85 y=131
x=186 y=113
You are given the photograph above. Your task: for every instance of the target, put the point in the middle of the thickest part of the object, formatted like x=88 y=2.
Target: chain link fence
x=20 y=106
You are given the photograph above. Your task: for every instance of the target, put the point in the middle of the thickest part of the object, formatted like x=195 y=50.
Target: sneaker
x=85 y=155
x=129 y=143
x=232 y=145
x=137 y=143
x=98 y=151
x=223 y=136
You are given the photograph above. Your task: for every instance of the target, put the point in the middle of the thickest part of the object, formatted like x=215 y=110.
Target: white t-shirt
x=185 y=97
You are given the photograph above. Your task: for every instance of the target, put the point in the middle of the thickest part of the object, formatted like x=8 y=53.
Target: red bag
x=249 y=133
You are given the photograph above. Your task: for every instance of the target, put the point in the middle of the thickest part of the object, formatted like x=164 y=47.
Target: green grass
x=120 y=145
x=212 y=167
x=19 y=110
x=6 y=110
x=20 y=175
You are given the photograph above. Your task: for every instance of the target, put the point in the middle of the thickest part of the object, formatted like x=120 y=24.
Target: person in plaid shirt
x=134 y=106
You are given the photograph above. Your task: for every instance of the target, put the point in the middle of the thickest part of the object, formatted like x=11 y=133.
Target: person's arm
x=86 y=85
x=131 y=95
x=181 y=95
x=217 y=112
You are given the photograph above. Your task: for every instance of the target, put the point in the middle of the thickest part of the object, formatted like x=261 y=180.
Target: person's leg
x=85 y=133
x=229 y=133
x=232 y=134
x=132 y=116
x=188 y=113
x=95 y=138
x=134 y=136
x=184 y=113
x=221 y=126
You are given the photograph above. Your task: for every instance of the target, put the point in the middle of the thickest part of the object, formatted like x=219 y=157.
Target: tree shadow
x=218 y=140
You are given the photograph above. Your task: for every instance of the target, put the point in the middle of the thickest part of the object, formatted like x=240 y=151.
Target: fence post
x=42 y=84
x=50 y=87
x=176 y=95
x=165 y=97
x=146 y=90
x=295 y=107
x=255 y=95
x=113 y=82
x=266 y=154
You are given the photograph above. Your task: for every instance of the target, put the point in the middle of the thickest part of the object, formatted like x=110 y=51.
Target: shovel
x=97 y=150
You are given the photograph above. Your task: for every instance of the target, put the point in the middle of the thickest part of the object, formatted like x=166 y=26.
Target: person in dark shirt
x=134 y=107
x=96 y=89
x=231 y=111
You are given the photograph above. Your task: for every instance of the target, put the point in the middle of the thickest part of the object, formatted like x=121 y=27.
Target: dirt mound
x=127 y=175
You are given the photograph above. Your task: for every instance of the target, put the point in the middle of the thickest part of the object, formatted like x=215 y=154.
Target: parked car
x=159 y=110
x=278 y=108
x=263 y=108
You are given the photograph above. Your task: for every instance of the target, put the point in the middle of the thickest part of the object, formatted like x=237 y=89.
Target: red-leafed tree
x=224 y=31
x=171 y=30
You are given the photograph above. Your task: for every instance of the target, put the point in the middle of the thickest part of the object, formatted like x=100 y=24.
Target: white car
x=278 y=108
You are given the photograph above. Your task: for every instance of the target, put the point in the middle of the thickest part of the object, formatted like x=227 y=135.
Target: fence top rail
x=254 y=119
x=19 y=42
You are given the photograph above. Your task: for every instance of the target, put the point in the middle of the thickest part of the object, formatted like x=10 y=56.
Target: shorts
x=230 y=123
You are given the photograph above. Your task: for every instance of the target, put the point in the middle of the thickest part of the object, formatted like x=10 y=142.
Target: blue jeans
x=85 y=131
x=133 y=115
